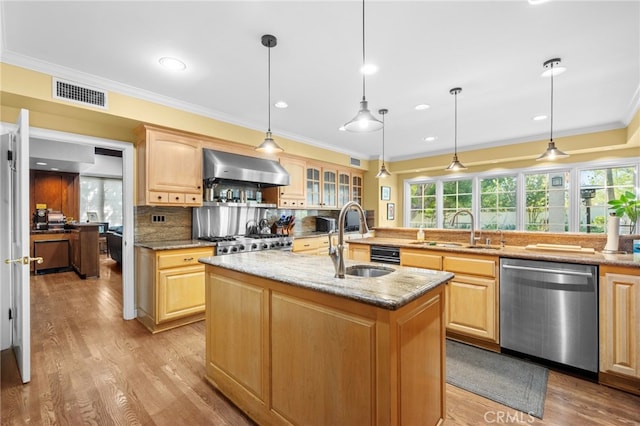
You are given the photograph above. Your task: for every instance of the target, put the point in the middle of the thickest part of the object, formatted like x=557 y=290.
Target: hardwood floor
x=89 y=366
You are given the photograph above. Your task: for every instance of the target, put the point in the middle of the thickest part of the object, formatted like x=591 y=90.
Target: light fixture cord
x=455 y=125
x=551 y=118
x=383 y=138
x=269 y=87
x=363 y=57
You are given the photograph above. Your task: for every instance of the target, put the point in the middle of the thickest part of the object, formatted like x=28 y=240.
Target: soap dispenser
x=420 y=234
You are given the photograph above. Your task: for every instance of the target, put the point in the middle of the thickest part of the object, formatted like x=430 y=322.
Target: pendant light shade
x=455 y=165
x=364 y=121
x=269 y=145
x=552 y=153
x=383 y=172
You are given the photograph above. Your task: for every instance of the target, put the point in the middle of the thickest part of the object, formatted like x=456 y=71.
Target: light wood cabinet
x=291 y=356
x=357 y=187
x=472 y=311
x=359 y=252
x=620 y=328
x=170 y=287
x=311 y=245
x=169 y=168
x=322 y=186
x=294 y=195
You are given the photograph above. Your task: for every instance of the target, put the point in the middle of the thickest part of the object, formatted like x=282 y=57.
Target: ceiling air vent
x=355 y=162
x=74 y=92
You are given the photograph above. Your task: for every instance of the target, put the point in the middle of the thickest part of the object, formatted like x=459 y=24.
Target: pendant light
x=383 y=173
x=269 y=145
x=364 y=121
x=455 y=164
x=552 y=153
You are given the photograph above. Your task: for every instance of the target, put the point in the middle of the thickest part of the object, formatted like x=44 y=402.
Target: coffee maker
x=41 y=219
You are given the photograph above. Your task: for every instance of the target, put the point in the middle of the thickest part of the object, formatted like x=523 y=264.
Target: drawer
x=158 y=197
x=470 y=266
x=182 y=258
x=420 y=259
x=193 y=199
x=304 y=244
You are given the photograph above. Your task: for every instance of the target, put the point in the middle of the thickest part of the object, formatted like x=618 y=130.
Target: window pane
x=456 y=196
x=423 y=205
x=547 y=202
x=103 y=196
x=597 y=187
x=498 y=203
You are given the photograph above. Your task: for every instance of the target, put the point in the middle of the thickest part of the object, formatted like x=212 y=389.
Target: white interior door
x=19 y=259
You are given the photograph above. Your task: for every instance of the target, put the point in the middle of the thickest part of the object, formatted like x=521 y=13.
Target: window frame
x=574 y=170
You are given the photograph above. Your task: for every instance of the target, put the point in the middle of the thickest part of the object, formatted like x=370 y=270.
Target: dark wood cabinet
x=54 y=254
x=85 y=255
x=59 y=191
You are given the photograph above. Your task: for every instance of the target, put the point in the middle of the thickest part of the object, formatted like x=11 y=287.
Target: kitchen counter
x=288 y=343
x=519 y=252
x=173 y=245
x=317 y=273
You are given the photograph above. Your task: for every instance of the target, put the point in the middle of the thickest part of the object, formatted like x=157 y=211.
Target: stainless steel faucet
x=337 y=253
x=472 y=237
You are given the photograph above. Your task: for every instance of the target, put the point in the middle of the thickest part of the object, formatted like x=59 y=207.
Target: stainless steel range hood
x=222 y=167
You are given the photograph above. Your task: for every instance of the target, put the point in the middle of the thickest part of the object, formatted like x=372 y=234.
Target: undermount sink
x=368 y=270
x=437 y=244
x=483 y=247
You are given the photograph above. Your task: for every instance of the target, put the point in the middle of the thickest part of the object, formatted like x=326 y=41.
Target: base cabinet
x=85 y=252
x=291 y=356
x=472 y=311
x=170 y=287
x=620 y=328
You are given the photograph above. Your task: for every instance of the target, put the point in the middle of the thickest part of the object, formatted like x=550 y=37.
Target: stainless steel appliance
x=385 y=254
x=549 y=310
x=56 y=220
x=325 y=224
x=247 y=243
x=221 y=166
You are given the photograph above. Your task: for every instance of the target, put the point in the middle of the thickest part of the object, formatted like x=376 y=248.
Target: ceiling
x=494 y=51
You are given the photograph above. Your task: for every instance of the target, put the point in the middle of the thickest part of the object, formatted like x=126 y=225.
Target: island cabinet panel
x=237 y=321
x=287 y=355
x=619 y=328
x=307 y=337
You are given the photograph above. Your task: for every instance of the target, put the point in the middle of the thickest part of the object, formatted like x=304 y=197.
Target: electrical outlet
x=157 y=218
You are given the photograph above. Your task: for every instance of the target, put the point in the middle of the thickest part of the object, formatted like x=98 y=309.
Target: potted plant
x=629 y=205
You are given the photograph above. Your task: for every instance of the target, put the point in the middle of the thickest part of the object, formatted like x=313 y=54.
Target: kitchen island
x=290 y=344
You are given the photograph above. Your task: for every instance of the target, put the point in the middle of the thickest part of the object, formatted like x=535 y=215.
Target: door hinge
x=10 y=314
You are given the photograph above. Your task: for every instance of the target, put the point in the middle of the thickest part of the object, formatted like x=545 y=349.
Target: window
x=564 y=198
x=456 y=195
x=597 y=187
x=547 y=201
x=498 y=203
x=423 y=205
x=101 y=195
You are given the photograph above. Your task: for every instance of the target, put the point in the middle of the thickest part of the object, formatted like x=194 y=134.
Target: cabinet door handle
x=159 y=197
x=188 y=259
x=177 y=198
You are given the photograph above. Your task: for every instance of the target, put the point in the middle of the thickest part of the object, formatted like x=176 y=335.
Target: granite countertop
x=174 y=245
x=519 y=252
x=390 y=292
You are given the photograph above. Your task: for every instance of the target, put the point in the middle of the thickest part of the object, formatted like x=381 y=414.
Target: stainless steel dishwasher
x=550 y=310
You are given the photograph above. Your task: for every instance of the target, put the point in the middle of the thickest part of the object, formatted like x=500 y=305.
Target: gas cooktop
x=250 y=242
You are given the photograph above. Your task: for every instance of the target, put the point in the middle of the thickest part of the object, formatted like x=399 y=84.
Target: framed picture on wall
x=391 y=211
x=385 y=193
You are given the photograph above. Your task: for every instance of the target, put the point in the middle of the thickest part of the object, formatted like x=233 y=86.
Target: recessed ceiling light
x=539 y=118
x=281 y=104
x=342 y=129
x=41 y=163
x=430 y=138
x=55 y=169
x=368 y=69
x=172 y=63
x=421 y=107
x=535 y=2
